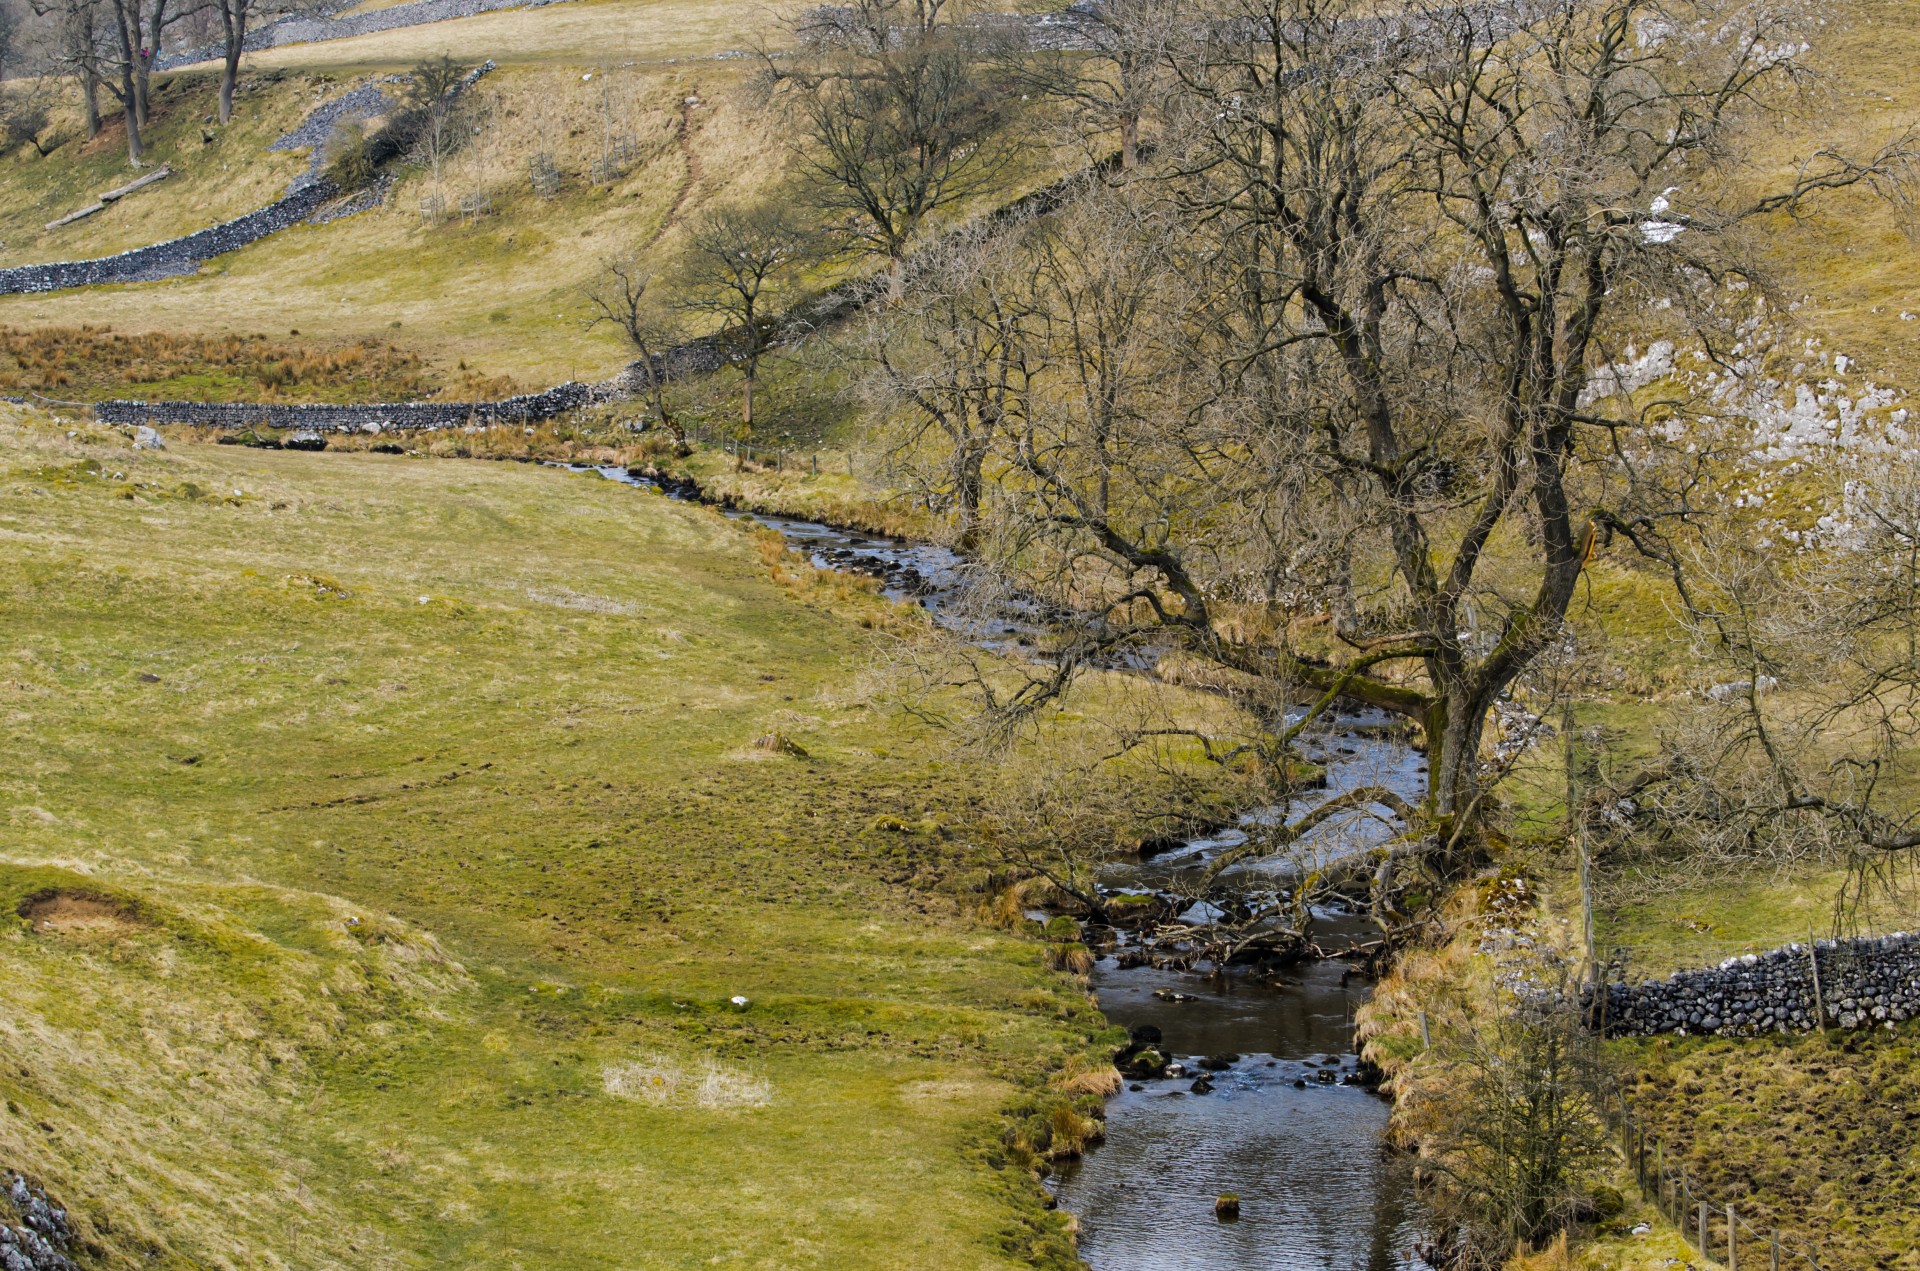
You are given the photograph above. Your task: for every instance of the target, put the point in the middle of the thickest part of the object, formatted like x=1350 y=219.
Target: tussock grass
x=89 y=363
x=1818 y=1136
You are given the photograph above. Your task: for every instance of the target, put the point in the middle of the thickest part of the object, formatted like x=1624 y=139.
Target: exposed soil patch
x=79 y=915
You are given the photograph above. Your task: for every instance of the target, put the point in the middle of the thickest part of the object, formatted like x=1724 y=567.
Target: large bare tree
x=1342 y=344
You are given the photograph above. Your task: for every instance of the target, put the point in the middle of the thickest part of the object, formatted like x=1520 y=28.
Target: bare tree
x=619 y=299
x=126 y=63
x=430 y=102
x=76 y=43
x=10 y=36
x=1111 y=76
x=1797 y=744
x=26 y=113
x=954 y=362
x=1383 y=260
x=236 y=17
x=901 y=112
x=1511 y=1129
x=742 y=264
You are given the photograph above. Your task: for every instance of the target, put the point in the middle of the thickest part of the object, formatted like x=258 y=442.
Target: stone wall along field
x=368 y=417
x=311 y=193
x=1862 y=983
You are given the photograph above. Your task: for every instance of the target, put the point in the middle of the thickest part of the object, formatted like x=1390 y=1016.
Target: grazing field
x=386 y=840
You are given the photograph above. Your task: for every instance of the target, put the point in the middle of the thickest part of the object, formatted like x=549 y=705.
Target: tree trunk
x=233 y=17
x=746 y=407
x=967 y=494
x=1129 y=142
x=134 y=151
x=227 y=77
x=90 y=99
x=148 y=54
x=1454 y=727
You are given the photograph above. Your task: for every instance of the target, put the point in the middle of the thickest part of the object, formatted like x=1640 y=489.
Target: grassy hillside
x=386 y=842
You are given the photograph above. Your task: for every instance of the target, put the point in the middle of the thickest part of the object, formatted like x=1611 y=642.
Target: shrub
x=350 y=161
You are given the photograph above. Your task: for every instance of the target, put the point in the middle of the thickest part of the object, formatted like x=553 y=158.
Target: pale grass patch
x=666 y=1082
x=566 y=598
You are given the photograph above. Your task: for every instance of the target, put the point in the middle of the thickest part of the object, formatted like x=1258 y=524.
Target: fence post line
x=1703 y=1230
x=1426 y=1038
x=1775 y=1242
x=1660 y=1175
x=1733 y=1239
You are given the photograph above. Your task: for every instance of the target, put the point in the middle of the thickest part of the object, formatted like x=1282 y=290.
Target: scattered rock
x=145 y=438
x=1226 y=1207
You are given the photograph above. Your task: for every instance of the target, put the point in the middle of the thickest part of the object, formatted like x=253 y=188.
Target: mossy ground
x=420 y=800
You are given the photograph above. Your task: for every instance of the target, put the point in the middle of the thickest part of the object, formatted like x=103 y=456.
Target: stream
x=1286 y=1126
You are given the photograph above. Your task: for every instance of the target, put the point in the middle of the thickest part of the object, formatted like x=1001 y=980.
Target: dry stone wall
x=310 y=193
x=1862 y=983
x=175 y=256
x=311 y=28
x=368 y=417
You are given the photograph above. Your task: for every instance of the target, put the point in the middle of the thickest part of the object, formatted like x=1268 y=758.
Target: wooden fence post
x=1426 y=1038
x=1660 y=1175
x=1733 y=1239
x=1813 y=960
x=1703 y=1230
x=1774 y=1264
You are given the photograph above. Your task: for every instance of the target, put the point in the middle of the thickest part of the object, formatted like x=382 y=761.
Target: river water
x=1285 y=1126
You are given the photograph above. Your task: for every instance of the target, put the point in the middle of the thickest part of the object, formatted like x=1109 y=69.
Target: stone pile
x=1862 y=983
x=39 y=1236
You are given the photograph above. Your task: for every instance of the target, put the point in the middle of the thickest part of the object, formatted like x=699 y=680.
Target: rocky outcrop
x=38 y=1237
x=1861 y=983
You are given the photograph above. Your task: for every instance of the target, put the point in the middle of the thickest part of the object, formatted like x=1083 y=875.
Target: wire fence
x=1717 y=1230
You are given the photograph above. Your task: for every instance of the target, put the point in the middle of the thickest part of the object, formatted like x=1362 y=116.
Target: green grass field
x=388 y=841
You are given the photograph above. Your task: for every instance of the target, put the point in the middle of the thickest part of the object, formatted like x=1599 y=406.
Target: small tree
x=743 y=262
x=1111 y=78
x=1510 y=1126
x=236 y=19
x=430 y=101
x=619 y=299
x=75 y=46
x=350 y=157
x=952 y=362
x=25 y=113
x=901 y=113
